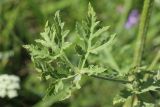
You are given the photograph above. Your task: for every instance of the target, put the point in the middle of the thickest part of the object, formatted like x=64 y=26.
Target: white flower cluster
x=9 y=84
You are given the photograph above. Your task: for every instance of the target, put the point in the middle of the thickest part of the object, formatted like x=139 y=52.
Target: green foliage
x=50 y=58
x=49 y=54
x=22 y=20
x=144 y=85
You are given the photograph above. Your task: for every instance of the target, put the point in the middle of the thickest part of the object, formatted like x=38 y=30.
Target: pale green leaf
x=103 y=46
x=93 y=70
x=58 y=86
x=100 y=31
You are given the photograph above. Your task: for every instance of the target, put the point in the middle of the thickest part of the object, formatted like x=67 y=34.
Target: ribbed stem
x=143 y=27
x=111 y=79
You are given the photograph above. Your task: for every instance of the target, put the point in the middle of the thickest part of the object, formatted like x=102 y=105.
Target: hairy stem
x=111 y=79
x=143 y=27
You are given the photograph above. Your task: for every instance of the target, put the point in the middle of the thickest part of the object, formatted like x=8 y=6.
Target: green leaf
x=66 y=45
x=93 y=70
x=148 y=105
x=65 y=33
x=59 y=91
x=80 y=30
x=50 y=57
x=36 y=52
x=58 y=86
x=119 y=100
x=95 y=50
x=100 y=31
x=79 y=50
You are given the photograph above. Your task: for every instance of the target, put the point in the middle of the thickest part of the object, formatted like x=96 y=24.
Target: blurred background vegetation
x=21 y=21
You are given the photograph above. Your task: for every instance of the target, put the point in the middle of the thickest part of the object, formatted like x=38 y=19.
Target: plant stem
x=84 y=61
x=95 y=76
x=143 y=27
x=111 y=79
x=88 y=50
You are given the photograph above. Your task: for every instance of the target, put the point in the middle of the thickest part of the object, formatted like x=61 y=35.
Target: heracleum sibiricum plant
x=49 y=54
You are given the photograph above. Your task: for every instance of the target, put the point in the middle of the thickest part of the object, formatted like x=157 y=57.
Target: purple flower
x=132 y=19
